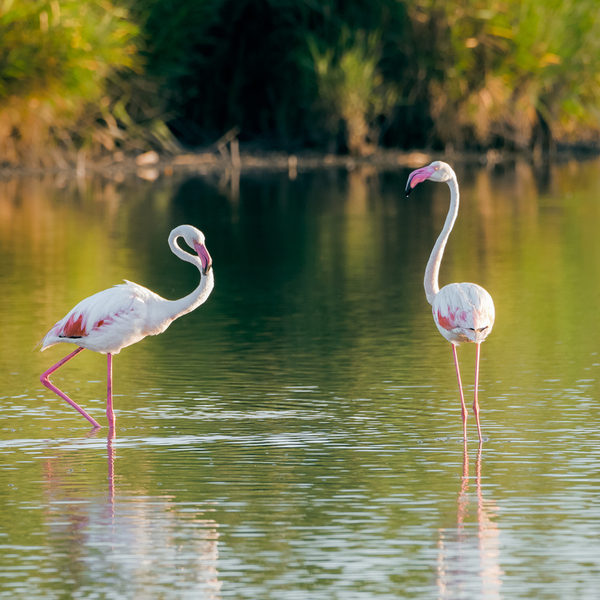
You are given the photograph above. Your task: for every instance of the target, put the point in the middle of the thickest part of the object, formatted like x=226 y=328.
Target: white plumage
x=463 y=312
x=110 y=320
x=122 y=315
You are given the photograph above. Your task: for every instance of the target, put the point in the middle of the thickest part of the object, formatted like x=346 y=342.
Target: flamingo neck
x=196 y=298
x=188 y=303
x=433 y=265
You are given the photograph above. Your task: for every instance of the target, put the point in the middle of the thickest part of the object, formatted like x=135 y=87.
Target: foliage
x=249 y=62
x=470 y=73
x=338 y=74
x=62 y=82
x=499 y=71
x=352 y=88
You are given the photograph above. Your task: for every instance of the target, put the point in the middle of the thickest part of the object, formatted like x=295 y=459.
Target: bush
x=498 y=72
x=337 y=74
x=57 y=60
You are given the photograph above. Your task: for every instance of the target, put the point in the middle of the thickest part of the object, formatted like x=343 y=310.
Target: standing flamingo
x=463 y=312
x=125 y=314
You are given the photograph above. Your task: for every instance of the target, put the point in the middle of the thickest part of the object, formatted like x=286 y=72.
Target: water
x=299 y=435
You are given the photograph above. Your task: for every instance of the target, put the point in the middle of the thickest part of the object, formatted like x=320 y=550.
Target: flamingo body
x=122 y=315
x=112 y=319
x=463 y=312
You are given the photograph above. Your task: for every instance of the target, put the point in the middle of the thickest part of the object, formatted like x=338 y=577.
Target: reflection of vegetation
x=483 y=75
x=333 y=266
x=319 y=287
x=319 y=313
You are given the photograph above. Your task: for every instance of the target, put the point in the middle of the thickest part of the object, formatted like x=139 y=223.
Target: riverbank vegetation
x=104 y=76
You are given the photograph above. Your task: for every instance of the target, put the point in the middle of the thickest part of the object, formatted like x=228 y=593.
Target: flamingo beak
x=417 y=177
x=204 y=256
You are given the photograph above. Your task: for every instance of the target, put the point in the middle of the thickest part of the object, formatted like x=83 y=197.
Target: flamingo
x=463 y=312
x=122 y=315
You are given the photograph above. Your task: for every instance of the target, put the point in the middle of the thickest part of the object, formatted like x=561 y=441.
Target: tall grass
x=346 y=75
x=501 y=70
x=352 y=88
x=57 y=61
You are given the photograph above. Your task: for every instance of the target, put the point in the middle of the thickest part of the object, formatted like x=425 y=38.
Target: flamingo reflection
x=140 y=542
x=469 y=558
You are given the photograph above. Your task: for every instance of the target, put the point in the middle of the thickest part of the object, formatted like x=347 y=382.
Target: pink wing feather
x=107 y=321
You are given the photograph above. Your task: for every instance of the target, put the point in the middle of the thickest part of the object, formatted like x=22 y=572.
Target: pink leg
x=44 y=379
x=109 y=402
x=462 y=396
x=476 y=402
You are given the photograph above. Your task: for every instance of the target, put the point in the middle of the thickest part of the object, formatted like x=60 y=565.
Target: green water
x=299 y=435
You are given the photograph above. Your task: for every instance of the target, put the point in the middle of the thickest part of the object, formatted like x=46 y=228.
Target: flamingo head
x=194 y=238
x=204 y=256
x=436 y=171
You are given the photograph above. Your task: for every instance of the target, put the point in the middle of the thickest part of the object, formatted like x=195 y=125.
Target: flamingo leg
x=462 y=396
x=109 y=401
x=476 y=401
x=44 y=379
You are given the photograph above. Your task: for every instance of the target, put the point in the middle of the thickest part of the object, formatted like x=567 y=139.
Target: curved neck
x=200 y=294
x=433 y=265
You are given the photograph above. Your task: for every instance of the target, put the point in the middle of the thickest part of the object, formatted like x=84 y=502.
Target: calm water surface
x=299 y=435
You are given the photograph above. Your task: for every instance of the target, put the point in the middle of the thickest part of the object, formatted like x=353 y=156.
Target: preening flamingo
x=463 y=312
x=125 y=314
